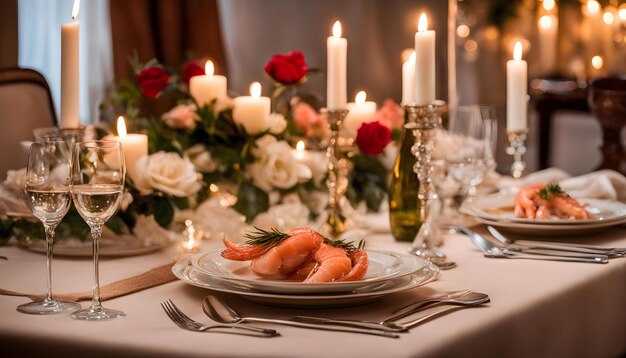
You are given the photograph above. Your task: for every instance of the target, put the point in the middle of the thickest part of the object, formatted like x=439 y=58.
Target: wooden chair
x=25 y=104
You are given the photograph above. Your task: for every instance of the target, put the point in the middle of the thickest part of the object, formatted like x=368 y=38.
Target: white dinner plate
x=548 y=230
x=499 y=208
x=191 y=275
x=382 y=267
x=119 y=246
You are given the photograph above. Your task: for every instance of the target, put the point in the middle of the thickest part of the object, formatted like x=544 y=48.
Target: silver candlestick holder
x=424 y=121
x=338 y=167
x=517 y=149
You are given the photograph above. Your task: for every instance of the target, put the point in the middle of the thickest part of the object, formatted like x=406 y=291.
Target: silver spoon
x=219 y=311
x=468 y=298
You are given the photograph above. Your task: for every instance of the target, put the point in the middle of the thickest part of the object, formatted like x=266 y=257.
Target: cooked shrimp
x=288 y=255
x=360 y=263
x=250 y=252
x=332 y=263
x=542 y=201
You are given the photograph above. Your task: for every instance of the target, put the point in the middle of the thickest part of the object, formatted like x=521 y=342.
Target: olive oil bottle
x=404 y=206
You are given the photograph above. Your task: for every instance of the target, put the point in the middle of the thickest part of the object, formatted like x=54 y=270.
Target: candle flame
x=597 y=62
x=622 y=12
x=545 y=22
x=608 y=18
x=412 y=57
x=337 y=29
x=360 y=97
x=593 y=7
x=517 y=51
x=422 y=24
x=548 y=5
x=209 y=68
x=75 y=8
x=121 y=127
x=214 y=188
x=300 y=146
x=255 y=89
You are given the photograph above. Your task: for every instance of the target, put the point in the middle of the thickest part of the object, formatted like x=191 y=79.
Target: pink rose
x=390 y=115
x=308 y=121
x=182 y=116
x=372 y=138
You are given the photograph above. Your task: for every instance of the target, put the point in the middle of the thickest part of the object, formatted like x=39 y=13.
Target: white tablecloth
x=537 y=309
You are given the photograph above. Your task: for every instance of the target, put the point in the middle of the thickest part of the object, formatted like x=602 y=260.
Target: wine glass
x=97 y=185
x=467 y=161
x=48 y=197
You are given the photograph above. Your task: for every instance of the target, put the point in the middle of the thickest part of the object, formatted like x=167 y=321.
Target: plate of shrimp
x=302 y=261
x=545 y=207
x=185 y=271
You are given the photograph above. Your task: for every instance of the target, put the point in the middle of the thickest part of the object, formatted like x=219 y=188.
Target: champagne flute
x=48 y=197
x=97 y=185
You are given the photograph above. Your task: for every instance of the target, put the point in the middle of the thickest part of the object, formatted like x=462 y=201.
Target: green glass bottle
x=404 y=206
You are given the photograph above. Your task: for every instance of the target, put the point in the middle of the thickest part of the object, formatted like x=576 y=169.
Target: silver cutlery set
x=541 y=250
x=228 y=320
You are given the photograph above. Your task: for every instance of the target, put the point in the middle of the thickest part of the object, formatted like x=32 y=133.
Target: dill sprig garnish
x=273 y=237
x=262 y=237
x=550 y=190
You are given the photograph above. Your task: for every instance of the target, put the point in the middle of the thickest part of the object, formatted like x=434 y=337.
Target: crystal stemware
x=97 y=187
x=48 y=197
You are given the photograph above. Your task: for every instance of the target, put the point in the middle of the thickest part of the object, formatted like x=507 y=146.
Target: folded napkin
x=603 y=184
x=154 y=277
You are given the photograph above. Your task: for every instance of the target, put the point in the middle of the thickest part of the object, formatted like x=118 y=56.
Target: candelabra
x=516 y=149
x=338 y=167
x=424 y=121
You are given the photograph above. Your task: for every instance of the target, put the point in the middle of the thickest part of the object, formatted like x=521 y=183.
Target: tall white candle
x=336 y=61
x=424 y=63
x=548 y=34
x=408 y=80
x=207 y=87
x=360 y=111
x=252 y=112
x=134 y=146
x=516 y=91
x=69 y=70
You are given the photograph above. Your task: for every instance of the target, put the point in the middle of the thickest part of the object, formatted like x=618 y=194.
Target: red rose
x=372 y=138
x=152 y=81
x=287 y=68
x=190 y=69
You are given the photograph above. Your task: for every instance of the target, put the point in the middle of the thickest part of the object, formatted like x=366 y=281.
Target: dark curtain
x=172 y=31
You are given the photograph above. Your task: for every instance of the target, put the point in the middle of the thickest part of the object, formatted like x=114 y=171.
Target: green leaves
x=368 y=181
x=251 y=201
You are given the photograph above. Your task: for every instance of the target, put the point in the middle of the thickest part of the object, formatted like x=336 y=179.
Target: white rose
x=275 y=166
x=283 y=217
x=127 y=199
x=316 y=200
x=182 y=116
x=166 y=172
x=201 y=158
x=277 y=123
x=16 y=179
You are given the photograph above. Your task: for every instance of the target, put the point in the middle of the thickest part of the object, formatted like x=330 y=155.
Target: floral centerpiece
x=222 y=173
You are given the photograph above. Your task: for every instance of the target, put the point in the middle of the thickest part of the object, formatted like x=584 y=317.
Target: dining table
x=537 y=309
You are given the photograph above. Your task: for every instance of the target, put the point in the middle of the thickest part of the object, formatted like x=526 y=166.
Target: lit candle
x=424 y=63
x=69 y=70
x=316 y=161
x=548 y=34
x=408 y=80
x=595 y=26
x=516 y=91
x=360 y=111
x=207 y=87
x=134 y=146
x=336 y=61
x=252 y=112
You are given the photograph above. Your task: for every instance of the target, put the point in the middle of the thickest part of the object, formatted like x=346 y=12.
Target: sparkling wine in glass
x=97 y=186
x=48 y=197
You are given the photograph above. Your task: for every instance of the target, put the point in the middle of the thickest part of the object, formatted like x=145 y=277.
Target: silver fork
x=185 y=322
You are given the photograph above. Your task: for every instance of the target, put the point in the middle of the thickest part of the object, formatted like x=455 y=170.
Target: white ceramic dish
x=382 y=267
x=191 y=275
x=499 y=208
